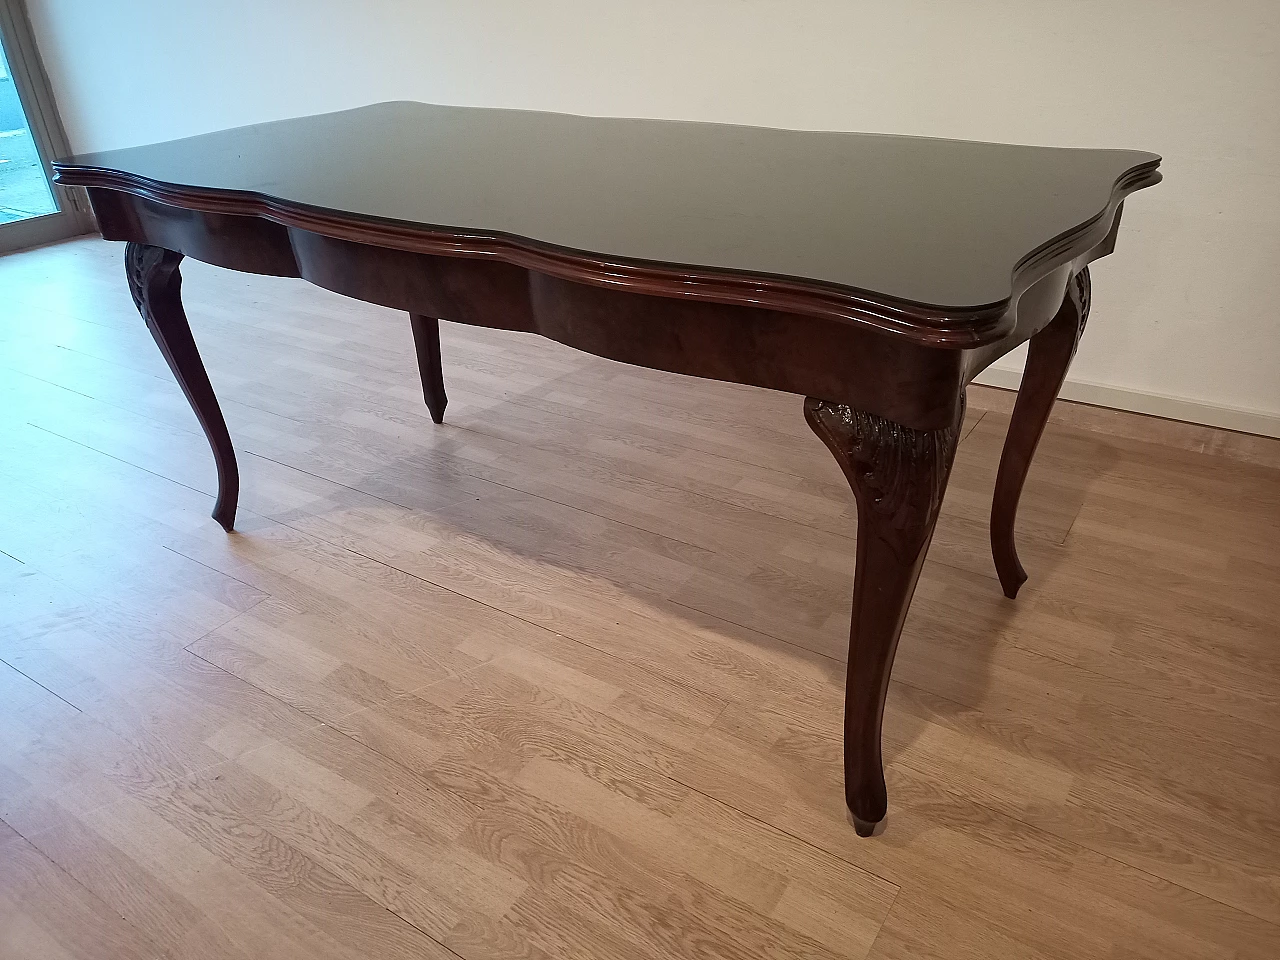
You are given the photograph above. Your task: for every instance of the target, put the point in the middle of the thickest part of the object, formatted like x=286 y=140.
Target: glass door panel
x=24 y=189
x=32 y=210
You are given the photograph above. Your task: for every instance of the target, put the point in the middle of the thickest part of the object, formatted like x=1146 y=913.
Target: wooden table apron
x=884 y=382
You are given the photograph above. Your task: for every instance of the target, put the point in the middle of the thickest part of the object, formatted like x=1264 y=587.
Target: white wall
x=1185 y=309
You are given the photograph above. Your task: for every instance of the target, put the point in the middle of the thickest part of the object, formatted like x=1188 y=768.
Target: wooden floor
x=562 y=677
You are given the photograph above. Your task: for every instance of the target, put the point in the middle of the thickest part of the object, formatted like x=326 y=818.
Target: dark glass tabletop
x=935 y=222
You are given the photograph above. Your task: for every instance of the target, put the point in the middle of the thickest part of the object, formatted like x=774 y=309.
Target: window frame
x=73 y=216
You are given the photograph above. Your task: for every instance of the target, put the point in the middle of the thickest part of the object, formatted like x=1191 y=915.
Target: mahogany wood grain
x=899 y=476
x=426 y=342
x=874 y=275
x=156 y=285
x=1048 y=358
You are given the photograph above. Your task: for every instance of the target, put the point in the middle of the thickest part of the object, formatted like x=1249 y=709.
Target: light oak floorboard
x=563 y=676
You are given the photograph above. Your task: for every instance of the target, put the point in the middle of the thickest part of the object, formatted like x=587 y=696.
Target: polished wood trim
x=843 y=362
x=934 y=325
x=1049 y=356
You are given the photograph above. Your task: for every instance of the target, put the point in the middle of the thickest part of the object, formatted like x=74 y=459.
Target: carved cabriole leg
x=426 y=339
x=156 y=286
x=898 y=477
x=1048 y=356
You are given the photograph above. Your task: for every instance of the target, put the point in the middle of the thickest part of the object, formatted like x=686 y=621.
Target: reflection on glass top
x=941 y=222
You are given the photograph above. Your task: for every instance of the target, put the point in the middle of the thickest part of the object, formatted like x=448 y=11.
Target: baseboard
x=1152 y=404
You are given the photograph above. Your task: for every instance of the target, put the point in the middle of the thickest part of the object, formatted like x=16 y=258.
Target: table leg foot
x=1049 y=356
x=864 y=828
x=224 y=513
x=156 y=285
x=426 y=340
x=898 y=476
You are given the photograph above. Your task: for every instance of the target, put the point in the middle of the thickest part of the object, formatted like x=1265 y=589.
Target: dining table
x=873 y=275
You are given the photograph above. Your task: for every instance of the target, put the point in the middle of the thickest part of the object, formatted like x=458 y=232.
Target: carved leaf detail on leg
x=896 y=472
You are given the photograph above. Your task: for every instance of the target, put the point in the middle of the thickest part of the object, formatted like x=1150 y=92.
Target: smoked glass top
x=936 y=222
